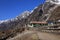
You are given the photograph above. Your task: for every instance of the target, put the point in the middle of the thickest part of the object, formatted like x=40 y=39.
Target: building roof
x=38 y=22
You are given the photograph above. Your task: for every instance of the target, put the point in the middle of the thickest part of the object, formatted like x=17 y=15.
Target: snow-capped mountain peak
x=54 y=1
x=34 y=9
x=23 y=15
x=1 y=21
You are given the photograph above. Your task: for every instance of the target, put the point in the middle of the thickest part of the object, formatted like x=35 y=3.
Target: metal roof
x=39 y=22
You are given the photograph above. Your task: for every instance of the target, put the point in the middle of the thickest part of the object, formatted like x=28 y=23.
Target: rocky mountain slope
x=48 y=11
x=8 y=27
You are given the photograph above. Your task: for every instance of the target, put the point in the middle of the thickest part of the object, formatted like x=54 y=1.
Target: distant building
x=37 y=24
x=49 y=24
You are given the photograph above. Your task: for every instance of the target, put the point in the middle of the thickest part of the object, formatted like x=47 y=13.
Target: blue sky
x=12 y=8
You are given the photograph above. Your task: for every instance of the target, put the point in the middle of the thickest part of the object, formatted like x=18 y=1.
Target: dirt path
x=48 y=36
x=42 y=36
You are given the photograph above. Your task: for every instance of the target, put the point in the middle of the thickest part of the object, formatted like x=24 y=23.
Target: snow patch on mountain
x=54 y=1
x=22 y=16
x=1 y=21
x=34 y=9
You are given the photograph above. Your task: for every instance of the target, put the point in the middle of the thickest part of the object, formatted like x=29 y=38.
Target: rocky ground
x=35 y=35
